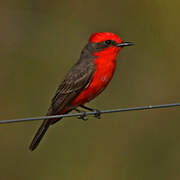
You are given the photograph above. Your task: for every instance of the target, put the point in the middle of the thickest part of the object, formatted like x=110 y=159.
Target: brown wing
x=76 y=79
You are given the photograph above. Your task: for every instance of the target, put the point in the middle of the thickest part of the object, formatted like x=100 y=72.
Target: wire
x=91 y=113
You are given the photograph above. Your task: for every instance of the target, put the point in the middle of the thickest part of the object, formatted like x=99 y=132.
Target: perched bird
x=85 y=80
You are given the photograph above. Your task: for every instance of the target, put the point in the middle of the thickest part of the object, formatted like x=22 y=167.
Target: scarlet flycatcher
x=86 y=79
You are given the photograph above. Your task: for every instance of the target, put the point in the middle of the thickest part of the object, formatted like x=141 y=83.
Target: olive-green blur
x=40 y=41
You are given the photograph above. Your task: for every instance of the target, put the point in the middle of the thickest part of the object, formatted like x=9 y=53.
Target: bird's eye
x=108 y=42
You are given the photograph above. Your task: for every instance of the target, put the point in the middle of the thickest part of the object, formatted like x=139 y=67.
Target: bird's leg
x=98 y=112
x=83 y=116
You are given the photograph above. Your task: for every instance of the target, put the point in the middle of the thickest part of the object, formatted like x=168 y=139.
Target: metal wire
x=91 y=113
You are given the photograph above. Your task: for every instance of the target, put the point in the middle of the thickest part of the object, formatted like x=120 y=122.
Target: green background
x=39 y=42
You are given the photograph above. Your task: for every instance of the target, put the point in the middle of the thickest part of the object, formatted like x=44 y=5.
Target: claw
x=98 y=114
x=83 y=116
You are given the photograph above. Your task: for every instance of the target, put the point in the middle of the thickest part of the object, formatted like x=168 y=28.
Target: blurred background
x=39 y=42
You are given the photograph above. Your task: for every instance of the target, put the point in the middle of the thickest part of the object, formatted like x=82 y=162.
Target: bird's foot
x=83 y=116
x=96 y=115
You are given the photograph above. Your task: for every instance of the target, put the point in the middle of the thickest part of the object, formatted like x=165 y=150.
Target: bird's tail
x=39 y=134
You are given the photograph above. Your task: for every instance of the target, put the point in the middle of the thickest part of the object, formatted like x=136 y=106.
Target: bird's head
x=104 y=43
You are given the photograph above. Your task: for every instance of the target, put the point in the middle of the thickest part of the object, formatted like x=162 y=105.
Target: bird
x=87 y=78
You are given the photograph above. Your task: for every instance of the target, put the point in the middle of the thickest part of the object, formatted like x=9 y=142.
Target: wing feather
x=76 y=79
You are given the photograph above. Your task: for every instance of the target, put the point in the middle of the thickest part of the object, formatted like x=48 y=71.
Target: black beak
x=124 y=44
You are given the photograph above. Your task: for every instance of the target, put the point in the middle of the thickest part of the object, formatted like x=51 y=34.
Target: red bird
x=85 y=80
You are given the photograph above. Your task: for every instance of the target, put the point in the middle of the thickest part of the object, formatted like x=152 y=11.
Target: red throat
x=108 y=54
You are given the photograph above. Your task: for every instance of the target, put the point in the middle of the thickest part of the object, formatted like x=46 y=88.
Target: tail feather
x=39 y=134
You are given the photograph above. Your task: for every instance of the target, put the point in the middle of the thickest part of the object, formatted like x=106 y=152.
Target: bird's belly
x=99 y=81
